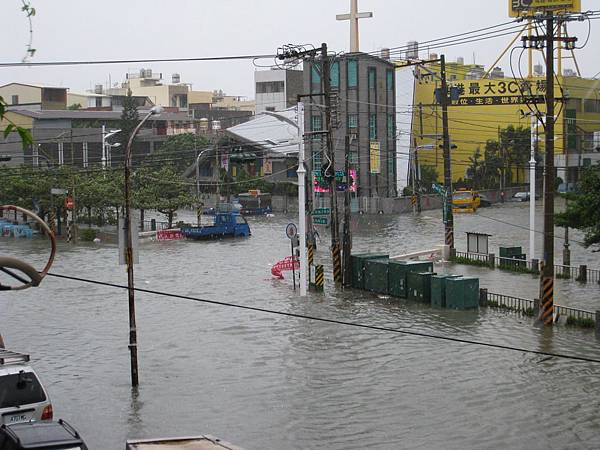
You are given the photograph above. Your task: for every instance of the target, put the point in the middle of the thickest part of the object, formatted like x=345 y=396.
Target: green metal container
x=438 y=289
x=358 y=267
x=376 y=275
x=398 y=271
x=419 y=286
x=462 y=293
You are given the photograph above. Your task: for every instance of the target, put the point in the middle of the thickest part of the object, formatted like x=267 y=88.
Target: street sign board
x=320 y=220
x=291 y=230
x=58 y=191
x=69 y=203
x=518 y=8
x=321 y=212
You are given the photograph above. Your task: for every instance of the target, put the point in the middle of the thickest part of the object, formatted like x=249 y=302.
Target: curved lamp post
x=301 y=172
x=129 y=250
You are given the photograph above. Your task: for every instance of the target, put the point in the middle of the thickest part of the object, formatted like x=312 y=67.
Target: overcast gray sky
x=132 y=29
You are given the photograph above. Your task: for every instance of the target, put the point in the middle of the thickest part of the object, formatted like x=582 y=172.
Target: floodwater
x=265 y=381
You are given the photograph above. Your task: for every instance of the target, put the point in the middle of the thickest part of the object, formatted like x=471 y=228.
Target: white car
x=22 y=396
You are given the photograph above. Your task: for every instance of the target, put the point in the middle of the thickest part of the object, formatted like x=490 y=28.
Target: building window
x=391 y=128
x=315 y=75
x=352 y=120
x=316 y=123
x=270 y=87
x=389 y=80
x=373 y=127
x=352 y=73
x=317 y=159
x=15 y=99
x=292 y=171
x=335 y=74
x=372 y=78
x=98 y=102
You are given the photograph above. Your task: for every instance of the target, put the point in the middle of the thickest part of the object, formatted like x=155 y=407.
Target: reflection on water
x=265 y=381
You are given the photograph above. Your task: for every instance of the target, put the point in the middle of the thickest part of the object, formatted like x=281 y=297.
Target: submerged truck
x=221 y=224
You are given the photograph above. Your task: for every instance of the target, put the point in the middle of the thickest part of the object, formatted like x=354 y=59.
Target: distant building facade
x=278 y=89
x=364 y=102
x=32 y=96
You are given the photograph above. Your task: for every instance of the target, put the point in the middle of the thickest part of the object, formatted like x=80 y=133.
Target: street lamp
x=106 y=146
x=301 y=190
x=129 y=250
x=109 y=147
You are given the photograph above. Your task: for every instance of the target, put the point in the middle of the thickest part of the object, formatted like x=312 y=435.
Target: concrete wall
x=397 y=205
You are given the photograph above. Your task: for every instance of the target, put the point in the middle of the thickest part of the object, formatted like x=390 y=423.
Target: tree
x=129 y=119
x=179 y=151
x=475 y=169
x=429 y=175
x=583 y=211
x=165 y=190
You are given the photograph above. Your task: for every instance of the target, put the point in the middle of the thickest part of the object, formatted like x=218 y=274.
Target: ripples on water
x=265 y=381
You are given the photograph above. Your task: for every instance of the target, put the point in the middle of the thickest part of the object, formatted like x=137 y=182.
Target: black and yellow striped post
x=319 y=278
x=547 y=304
x=52 y=220
x=311 y=254
x=449 y=240
x=337 y=264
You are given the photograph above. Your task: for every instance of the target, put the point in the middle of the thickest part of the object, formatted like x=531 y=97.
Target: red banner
x=169 y=235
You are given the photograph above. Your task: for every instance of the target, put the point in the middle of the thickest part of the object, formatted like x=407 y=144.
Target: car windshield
x=20 y=389
x=462 y=196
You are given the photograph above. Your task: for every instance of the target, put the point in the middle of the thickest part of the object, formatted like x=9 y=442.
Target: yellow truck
x=465 y=201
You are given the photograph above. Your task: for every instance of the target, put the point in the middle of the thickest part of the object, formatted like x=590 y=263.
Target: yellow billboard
x=518 y=8
x=375 y=154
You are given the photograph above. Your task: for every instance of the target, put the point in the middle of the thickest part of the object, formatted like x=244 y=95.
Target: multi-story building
x=33 y=96
x=277 y=89
x=364 y=105
x=486 y=106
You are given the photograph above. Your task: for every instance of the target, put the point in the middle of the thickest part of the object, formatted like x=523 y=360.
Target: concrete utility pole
x=347 y=236
x=329 y=171
x=353 y=18
x=302 y=200
x=547 y=301
x=449 y=225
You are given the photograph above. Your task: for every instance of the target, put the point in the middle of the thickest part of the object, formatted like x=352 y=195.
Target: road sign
x=58 y=191
x=291 y=230
x=321 y=212
x=69 y=203
x=322 y=220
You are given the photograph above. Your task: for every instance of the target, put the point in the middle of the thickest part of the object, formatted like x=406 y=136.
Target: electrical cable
x=335 y=321
x=134 y=61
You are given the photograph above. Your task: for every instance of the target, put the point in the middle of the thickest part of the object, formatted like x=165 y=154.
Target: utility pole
x=329 y=172
x=347 y=238
x=449 y=224
x=547 y=302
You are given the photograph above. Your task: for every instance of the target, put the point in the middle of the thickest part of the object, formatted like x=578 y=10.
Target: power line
x=134 y=61
x=335 y=321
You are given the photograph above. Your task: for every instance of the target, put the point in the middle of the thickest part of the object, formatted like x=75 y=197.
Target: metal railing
x=527 y=306
x=153 y=225
x=581 y=273
x=579 y=314
x=514 y=303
